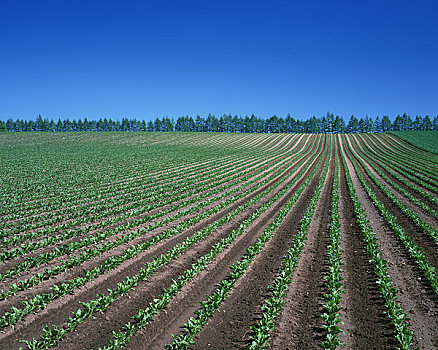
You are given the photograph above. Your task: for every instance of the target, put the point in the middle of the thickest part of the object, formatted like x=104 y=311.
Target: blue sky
x=143 y=59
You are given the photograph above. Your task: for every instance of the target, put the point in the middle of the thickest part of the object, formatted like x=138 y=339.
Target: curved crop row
x=52 y=335
x=273 y=304
x=415 y=251
x=389 y=169
x=92 y=253
x=384 y=281
x=214 y=300
x=400 y=189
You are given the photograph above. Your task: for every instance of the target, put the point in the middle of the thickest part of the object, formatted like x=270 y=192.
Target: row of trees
x=228 y=123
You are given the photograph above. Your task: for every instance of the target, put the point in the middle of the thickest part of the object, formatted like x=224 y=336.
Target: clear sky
x=143 y=59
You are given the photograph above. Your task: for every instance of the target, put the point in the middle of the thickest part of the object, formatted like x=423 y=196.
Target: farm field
x=427 y=140
x=217 y=241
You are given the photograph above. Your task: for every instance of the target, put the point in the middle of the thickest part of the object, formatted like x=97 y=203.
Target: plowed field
x=217 y=241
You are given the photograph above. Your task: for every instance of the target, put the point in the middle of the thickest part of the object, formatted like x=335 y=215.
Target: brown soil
x=299 y=325
x=418 y=300
x=425 y=216
x=420 y=237
x=188 y=299
x=365 y=324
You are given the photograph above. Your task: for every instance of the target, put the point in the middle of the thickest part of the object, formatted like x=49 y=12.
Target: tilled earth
x=287 y=163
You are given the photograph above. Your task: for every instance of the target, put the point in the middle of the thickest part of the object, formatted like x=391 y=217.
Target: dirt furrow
x=414 y=193
x=299 y=325
x=10 y=263
x=366 y=326
x=59 y=310
x=187 y=300
x=422 y=214
x=119 y=250
x=416 y=297
x=420 y=237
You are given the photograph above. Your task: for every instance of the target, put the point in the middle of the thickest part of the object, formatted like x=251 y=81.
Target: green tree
x=106 y=125
x=435 y=123
x=51 y=125
x=386 y=124
x=330 y=123
x=377 y=125
x=157 y=124
x=427 y=123
x=353 y=125
x=361 y=125
x=66 y=125
x=59 y=126
x=39 y=124
x=339 y=125
x=417 y=123
x=10 y=125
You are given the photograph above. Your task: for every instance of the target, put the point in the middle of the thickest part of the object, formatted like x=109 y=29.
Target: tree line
x=228 y=123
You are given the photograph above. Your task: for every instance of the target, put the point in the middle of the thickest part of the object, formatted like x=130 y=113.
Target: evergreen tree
x=353 y=125
x=86 y=125
x=233 y=123
x=435 y=123
x=330 y=120
x=323 y=126
x=361 y=125
x=199 y=123
x=338 y=125
x=281 y=125
x=105 y=125
x=273 y=124
x=39 y=124
x=221 y=124
x=386 y=124
x=51 y=125
x=10 y=125
x=369 y=124
x=31 y=125
x=157 y=124
x=252 y=123
x=398 y=123
x=427 y=123
x=66 y=125
x=311 y=125
x=58 y=126
x=377 y=125
x=407 y=121
x=18 y=125
x=417 y=123
x=179 y=125
x=74 y=125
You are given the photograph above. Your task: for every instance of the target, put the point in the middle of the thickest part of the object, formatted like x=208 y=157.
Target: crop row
x=68 y=287
x=66 y=194
x=274 y=303
x=92 y=253
x=163 y=186
x=51 y=335
x=414 y=250
x=406 y=167
x=372 y=156
x=384 y=281
x=195 y=324
x=408 y=212
x=148 y=201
